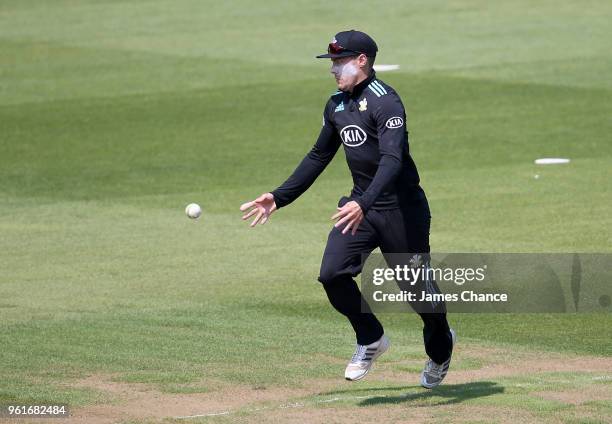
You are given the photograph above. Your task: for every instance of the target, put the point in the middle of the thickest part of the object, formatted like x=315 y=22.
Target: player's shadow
x=448 y=394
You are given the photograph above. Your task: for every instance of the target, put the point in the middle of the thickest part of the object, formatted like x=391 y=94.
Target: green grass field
x=115 y=115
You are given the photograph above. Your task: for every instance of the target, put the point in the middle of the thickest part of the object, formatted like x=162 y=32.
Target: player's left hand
x=351 y=214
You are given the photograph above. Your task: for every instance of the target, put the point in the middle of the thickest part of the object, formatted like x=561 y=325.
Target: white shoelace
x=432 y=368
x=359 y=353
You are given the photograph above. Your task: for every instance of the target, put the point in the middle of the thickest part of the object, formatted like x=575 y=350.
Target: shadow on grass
x=448 y=394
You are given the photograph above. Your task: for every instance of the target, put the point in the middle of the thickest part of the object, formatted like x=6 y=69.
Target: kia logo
x=353 y=136
x=394 y=122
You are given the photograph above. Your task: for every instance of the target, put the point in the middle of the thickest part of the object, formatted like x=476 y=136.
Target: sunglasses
x=335 y=48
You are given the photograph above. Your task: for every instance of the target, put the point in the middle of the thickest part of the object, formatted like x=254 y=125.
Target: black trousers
x=401 y=230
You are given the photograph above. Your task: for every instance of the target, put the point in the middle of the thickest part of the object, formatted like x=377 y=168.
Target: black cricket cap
x=350 y=43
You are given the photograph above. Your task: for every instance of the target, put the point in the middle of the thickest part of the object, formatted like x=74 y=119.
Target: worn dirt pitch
x=490 y=392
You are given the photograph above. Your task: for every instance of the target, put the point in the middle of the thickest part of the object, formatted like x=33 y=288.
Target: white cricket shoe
x=364 y=357
x=433 y=373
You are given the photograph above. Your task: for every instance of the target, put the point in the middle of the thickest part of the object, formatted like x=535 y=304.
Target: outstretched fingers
x=247 y=205
x=353 y=224
x=250 y=213
x=342 y=220
x=257 y=218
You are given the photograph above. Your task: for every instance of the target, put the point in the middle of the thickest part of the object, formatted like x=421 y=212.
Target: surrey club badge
x=363 y=105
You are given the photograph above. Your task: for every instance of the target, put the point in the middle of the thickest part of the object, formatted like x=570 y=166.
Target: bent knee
x=327 y=276
x=333 y=276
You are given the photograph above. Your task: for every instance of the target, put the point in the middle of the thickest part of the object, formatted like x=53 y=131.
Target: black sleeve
x=312 y=165
x=390 y=120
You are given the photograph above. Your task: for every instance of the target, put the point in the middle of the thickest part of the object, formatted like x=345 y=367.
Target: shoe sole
x=376 y=355
x=431 y=386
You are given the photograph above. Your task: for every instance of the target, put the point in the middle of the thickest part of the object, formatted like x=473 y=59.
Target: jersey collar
x=358 y=89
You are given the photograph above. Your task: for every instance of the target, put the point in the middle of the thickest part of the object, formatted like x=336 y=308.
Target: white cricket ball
x=193 y=210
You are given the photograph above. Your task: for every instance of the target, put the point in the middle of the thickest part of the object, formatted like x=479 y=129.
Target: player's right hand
x=262 y=208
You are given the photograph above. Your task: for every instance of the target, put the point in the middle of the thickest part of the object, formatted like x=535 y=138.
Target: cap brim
x=334 y=56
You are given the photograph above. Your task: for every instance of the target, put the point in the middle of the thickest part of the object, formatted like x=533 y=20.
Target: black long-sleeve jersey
x=371 y=124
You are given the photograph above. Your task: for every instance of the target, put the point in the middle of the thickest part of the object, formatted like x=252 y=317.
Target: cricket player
x=386 y=208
